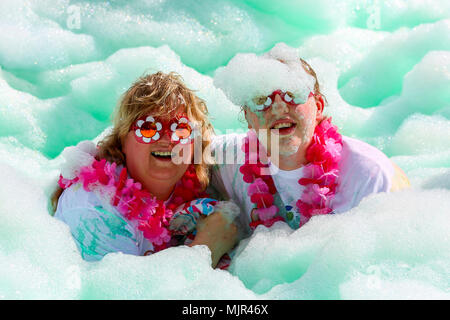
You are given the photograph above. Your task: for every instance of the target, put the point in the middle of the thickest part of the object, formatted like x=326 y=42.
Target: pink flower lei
x=133 y=202
x=320 y=180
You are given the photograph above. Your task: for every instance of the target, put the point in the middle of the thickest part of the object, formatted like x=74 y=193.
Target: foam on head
x=248 y=75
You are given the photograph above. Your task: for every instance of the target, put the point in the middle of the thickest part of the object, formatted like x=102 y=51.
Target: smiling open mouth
x=162 y=155
x=284 y=127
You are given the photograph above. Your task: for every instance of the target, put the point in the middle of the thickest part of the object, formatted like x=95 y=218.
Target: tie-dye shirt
x=99 y=229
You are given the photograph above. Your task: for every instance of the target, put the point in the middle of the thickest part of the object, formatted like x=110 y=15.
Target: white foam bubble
x=421 y=134
x=30 y=41
x=248 y=76
x=76 y=157
x=390 y=240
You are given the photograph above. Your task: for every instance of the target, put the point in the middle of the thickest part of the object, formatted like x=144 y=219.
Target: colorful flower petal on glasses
x=156 y=136
x=146 y=140
x=287 y=98
x=158 y=126
x=183 y=120
x=138 y=133
x=174 y=126
x=150 y=119
x=268 y=102
x=184 y=141
x=140 y=123
x=260 y=107
x=175 y=137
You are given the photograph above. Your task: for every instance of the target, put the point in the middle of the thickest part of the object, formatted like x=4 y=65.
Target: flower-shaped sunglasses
x=150 y=129
x=263 y=103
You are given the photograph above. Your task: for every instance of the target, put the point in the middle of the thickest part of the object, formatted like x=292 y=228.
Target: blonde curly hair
x=158 y=94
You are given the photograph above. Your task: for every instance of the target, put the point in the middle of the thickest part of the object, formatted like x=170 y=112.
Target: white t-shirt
x=363 y=170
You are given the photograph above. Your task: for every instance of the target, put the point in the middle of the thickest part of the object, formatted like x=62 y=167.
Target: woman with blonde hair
x=139 y=191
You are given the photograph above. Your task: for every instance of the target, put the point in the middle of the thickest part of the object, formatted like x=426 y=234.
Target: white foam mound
x=384 y=248
x=76 y=157
x=30 y=41
x=248 y=75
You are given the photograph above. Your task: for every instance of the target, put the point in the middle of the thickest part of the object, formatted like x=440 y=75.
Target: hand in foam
x=218 y=231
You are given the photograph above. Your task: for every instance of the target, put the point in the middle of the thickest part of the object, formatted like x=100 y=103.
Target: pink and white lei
x=320 y=180
x=132 y=201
